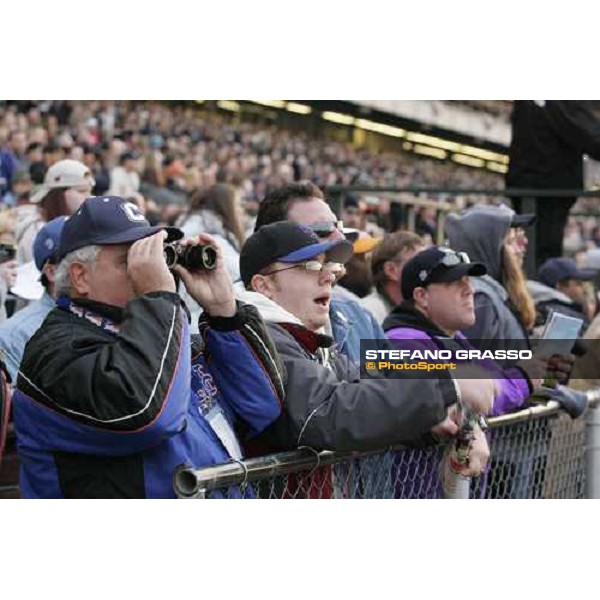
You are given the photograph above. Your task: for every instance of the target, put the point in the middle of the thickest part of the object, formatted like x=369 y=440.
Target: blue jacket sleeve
x=246 y=367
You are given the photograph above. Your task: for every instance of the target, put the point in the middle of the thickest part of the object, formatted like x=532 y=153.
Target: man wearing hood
x=504 y=309
x=328 y=406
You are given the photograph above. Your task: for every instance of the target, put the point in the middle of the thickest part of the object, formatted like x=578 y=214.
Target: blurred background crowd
x=167 y=152
x=217 y=160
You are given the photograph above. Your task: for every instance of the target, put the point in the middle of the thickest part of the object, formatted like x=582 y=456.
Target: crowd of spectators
x=161 y=154
x=181 y=148
x=98 y=259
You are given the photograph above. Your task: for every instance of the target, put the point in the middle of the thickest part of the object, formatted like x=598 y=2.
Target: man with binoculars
x=112 y=397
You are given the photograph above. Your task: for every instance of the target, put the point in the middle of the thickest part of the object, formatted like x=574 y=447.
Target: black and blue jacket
x=111 y=401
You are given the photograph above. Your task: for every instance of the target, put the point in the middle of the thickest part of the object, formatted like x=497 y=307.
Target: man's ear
x=79 y=276
x=421 y=297
x=259 y=283
x=49 y=271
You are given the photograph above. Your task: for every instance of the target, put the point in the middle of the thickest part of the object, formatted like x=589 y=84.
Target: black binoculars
x=194 y=258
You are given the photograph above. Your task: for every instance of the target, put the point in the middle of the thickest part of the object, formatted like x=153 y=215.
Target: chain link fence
x=539 y=452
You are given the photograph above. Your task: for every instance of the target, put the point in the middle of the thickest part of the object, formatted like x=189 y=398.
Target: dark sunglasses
x=326 y=228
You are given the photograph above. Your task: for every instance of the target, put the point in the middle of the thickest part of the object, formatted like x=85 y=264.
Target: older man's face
x=108 y=281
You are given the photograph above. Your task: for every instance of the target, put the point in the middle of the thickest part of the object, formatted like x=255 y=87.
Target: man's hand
x=212 y=290
x=8 y=272
x=540 y=367
x=560 y=366
x=536 y=369
x=146 y=266
x=479 y=454
x=448 y=427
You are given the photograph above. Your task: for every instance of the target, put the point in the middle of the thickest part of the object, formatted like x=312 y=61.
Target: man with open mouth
x=288 y=272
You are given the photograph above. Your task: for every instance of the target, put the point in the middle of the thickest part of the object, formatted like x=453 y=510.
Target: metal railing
x=539 y=452
x=530 y=199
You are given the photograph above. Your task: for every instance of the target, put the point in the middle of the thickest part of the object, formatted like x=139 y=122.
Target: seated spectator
x=111 y=397
x=561 y=288
x=66 y=185
x=8 y=219
x=438 y=304
x=504 y=309
x=304 y=203
x=218 y=212
x=386 y=270
x=92 y=159
x=517 y=235
x=16 y=331
x=125 y=179
x=33 y=153
x=426 y=223
x=357 y=278
x=352 y=215
x=8 y=277
x=21 y=188
x=328 y=406
x=12 y=159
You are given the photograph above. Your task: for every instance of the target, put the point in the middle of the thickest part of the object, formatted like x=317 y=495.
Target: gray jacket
x=328 y=405
x=480 y=232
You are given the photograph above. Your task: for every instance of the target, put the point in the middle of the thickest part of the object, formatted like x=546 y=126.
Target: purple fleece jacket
x=514 y=386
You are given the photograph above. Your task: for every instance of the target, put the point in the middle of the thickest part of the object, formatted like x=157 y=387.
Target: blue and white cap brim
x=339 y=251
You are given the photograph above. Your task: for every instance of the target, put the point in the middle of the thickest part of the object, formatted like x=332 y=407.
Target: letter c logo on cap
x=132 y=212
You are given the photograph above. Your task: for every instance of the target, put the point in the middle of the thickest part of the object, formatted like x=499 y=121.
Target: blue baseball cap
x=287 y=242
x=105 y=220
x=555 y=270
x=46 y=242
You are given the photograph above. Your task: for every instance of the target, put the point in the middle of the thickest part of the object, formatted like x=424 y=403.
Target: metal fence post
x=592 y=442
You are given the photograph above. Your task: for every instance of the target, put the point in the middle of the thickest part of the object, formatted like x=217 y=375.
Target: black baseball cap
x=287 y=242
x=105 y=220
x=561 y=269
x=437 y=265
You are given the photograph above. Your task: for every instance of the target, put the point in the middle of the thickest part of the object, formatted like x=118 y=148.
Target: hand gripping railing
x=197 y=483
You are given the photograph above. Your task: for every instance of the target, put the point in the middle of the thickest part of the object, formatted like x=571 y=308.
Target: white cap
x=63 y=174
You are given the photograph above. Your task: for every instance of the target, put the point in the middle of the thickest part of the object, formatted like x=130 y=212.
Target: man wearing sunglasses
x=438 y=304
x=289 y=273
x=303 y=202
